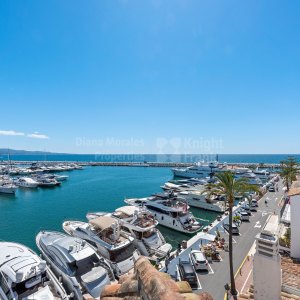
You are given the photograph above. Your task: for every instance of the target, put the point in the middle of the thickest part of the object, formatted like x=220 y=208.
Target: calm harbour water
x=95 y=189
x=91 y=189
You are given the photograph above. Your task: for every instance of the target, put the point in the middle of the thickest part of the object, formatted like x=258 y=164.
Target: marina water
x=92 y=189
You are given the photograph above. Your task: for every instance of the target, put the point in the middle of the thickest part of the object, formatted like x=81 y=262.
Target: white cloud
x=37 y=135
x=10 y=132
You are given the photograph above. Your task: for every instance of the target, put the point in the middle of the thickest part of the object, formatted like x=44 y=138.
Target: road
x=213 y=282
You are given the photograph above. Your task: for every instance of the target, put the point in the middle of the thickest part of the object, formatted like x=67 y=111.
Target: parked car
x=254 y=202
x=235 y=229
x=244 y=215
x=271 y=188
x=253 y=207
x=199 y=260
x=187 y=273
x=246 y=208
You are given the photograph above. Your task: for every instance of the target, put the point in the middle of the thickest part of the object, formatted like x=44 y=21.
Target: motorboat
x=138 y=223
x=201 y=200
x=169 y=212
x=104 y=234
x=199 y=170
x=26 y=182
x=61 y=177
x=6 y=185
x=44 y=181
x=24 y=275
x=75 y=263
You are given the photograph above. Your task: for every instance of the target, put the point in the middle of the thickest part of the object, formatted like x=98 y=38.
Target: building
x=267 y=263
x=294 y=195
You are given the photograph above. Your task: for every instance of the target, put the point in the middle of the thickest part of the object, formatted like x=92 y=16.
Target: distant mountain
x=5 y=151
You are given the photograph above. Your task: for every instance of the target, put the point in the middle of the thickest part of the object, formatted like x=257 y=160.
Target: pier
x=214 y=280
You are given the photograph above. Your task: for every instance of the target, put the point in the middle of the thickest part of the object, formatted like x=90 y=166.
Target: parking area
x=217 y=275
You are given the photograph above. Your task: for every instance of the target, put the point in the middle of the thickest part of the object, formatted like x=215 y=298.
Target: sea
x=23 y=215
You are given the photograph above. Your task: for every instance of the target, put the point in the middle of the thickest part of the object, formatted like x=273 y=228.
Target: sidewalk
x=244 y=276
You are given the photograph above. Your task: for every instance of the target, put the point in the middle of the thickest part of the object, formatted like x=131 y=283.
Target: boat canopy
x=127 y=210
x=102 y=223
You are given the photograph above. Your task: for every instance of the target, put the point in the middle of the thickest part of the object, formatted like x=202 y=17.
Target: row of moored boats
x=13 y=177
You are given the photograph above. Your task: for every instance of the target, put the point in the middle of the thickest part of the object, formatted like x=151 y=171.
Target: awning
x=102 y=222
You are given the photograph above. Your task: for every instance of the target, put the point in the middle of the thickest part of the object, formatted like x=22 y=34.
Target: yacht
x=246 y=173
x=262 y=174
x=178 y=187
x=44 y=181
x=75 y=263
x=26 y=182
x=61 y=177
x=200 y=200
x=141 y=225
x=24 y=275
x=7 y=186
x=169 y=212
x=199 y=170
x=104 y=233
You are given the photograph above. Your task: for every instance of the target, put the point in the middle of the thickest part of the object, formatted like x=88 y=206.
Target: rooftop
x=290 y=272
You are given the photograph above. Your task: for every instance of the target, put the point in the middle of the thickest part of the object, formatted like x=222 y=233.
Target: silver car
x=199 y=260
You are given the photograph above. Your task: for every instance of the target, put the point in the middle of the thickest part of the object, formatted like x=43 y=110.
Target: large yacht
x=169 y=211
x=104 y=233
x=246 y=173
x=199 y=170
x=76 y=263
x=23 y=275
x=200 y=200
x=141 y=225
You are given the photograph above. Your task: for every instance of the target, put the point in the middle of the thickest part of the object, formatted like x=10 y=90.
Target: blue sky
x=150 y=76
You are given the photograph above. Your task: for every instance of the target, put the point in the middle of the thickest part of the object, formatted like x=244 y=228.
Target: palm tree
x=289 y=170
x=229 y=187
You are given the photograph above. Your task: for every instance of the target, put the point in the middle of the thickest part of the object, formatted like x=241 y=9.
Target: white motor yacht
x=26 y=182
x=23 y=275
x=82 y=271
x=169 y=212
x=199 y=170
x=6 y=185
x=104 y=233
x=140 y=224
x=200 y=200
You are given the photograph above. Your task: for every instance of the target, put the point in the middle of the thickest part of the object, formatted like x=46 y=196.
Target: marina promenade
x=215 y=280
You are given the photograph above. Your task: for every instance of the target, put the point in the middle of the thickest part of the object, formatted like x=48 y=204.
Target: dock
x=215 y=279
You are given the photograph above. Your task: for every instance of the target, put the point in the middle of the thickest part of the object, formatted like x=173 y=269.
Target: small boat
x=26 y=182
x=138 y=223
x=24 y=275
x=104 y=233
x=81 y=269
x=61 y=177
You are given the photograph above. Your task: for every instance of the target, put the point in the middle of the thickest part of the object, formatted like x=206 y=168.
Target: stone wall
x=146 y=283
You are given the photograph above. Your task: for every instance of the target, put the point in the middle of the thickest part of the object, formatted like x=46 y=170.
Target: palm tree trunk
x=232 y=281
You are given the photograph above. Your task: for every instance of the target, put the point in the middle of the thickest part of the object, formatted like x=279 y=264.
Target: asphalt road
x=213 y=282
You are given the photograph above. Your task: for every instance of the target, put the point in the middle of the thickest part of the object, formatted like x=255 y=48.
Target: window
x=122 y=254
x=5 y=287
